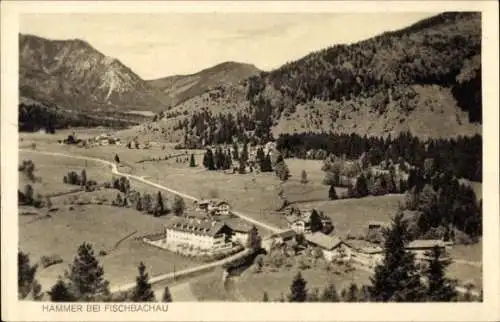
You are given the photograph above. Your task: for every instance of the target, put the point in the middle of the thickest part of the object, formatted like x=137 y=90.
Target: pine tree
x=330 y=294
x=244 y=152
x=298 y=290
x=440 y=288
x=265 y=297
x=281 y=298
x=83 y=178
x=208 y=160
x=313 y=296
x=29 y=194
x=260 y=155
x=315 y=221
x=361 y=187
x=192 y=163
x=332 y=193
x=350 y=294
x=117 y=159
x=235 y=152
x=178 y=206
x=254 y=239
x=167 y=297
x=159 y=206
x=86 y=277
x=397 y=279
x=138 y=205
x=282 y=170
x=25 y=275
x=60 y=292
x=142 y=291
x=303 y=177
x=229 y=161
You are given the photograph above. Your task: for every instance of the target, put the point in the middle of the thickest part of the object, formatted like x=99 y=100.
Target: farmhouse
x=300 y=220
x=105 y=139
x=278 y=239
x=213 y=206
x=421 y=247
x=205 y=235
x=365 y=253
x=298 y=224
x=331 y=247
x=240 y=230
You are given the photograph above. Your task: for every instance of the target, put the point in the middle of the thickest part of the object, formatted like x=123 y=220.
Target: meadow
x=351 y=216
x=51 y=170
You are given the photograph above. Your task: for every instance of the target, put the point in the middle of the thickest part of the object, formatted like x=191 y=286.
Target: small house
x=278 y=239
x=421 y=247
x=332 y=247
x=300 y=222
x=241 y=230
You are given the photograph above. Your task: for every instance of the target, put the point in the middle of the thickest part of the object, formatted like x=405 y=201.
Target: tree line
x=461 y=156
x=36 y=117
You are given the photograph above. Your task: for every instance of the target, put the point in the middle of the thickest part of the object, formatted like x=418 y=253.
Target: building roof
x=196 y=214
x=378 y=223
x=323 y=241
x=195 y=226
x=425 y=243
x=285 y=234
x=238 y=225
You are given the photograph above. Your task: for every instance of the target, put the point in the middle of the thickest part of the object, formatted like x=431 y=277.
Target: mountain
x=425 y=79
x=182 y=87
x=73 y=75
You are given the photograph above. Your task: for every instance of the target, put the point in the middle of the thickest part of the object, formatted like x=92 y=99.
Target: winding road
x=159 y=278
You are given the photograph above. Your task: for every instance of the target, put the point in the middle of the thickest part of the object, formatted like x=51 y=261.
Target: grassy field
x=352 y=215
x=51 y=171
x=210 y=288
x=472 y=252
x=102 y=226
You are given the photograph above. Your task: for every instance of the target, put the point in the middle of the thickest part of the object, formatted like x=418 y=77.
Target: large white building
x=204 y=235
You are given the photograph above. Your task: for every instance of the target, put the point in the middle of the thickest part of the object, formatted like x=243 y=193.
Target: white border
x=488 y=310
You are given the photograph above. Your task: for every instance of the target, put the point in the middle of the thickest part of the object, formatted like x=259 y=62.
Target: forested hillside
x=425 y=79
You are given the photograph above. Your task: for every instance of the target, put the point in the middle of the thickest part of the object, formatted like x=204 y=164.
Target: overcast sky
x=159 y=45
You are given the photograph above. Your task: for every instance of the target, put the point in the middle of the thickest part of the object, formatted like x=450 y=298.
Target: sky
x=160 y=45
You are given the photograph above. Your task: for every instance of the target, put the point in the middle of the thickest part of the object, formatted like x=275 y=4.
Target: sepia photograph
x=248 y=157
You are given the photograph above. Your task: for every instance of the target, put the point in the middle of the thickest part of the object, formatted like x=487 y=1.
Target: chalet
x=299 y=221
x=206 y=235
x=278 y=239
x=240 y=230
x=365 y=253
x=332 y=247
x=298 y=224
x=213 y=206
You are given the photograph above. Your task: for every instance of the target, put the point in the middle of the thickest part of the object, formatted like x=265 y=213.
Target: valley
x=334 y=177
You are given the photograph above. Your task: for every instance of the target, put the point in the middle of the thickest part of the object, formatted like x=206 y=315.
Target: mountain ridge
x=425 y=78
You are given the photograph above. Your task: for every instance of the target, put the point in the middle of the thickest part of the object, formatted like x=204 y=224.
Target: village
x=284 y=220
x=209 y=229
